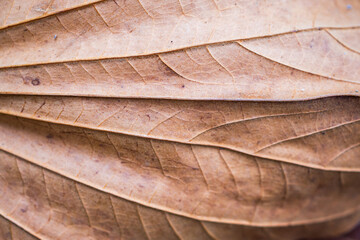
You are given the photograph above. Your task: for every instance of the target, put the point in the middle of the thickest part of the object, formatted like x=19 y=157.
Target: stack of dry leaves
x=179 y=119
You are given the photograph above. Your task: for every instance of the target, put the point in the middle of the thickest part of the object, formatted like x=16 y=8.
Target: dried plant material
x=207 y=183
x=9 y=230
x=215 y=72
x=190 y=119
x=77 y=211
x=13 y=12
x=131 y=28
x=296 y=131
x=316 y=52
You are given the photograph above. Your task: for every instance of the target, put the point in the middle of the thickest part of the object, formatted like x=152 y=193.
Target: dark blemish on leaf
x=183 y=86
x=24 y=210
x=312 y=43
x=322 y=133
x=35 y=82
x=148 y=116
x=171 y=41
x=49 y=136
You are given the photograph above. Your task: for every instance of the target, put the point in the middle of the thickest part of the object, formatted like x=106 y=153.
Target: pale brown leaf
x=41 y=200
x=179 y=119
x=10 y=231
x=215 y=72
x=350 y=38
x=13 y=12
x=206 y=183
x=112 y=29
x=316 y=52
x=291 y=127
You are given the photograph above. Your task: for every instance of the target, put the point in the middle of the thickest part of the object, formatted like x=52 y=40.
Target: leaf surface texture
x=179 y=119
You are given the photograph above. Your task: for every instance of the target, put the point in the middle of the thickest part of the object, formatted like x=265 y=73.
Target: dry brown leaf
x=349 y=38
x=13 y=12
x=225 y=71
x=206 y=183
x=293 y=128
x=8 y=230
x=316 y=52
x=77 y=211
x=145 y=119
x=131 y=28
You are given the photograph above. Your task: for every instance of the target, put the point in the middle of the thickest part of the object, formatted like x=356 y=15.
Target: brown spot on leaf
x=35 y=82
x=24 y=210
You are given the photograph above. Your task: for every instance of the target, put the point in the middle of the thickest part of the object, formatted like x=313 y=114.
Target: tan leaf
x=131 y=28
x=316 y=52
x=347 y=37
x=179 y=119
x=293 y=128
x=9 y=230
x=13 y=12
x=215 y=72
x=207 y=183
x=41 y=200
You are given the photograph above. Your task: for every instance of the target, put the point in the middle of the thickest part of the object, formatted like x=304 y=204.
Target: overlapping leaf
x=9 y=230
x=13 y=12
x=41 y=200
x=118 y=29
x=150 y=120
x=296 y=131
x=219 y=72
x=207 y=183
